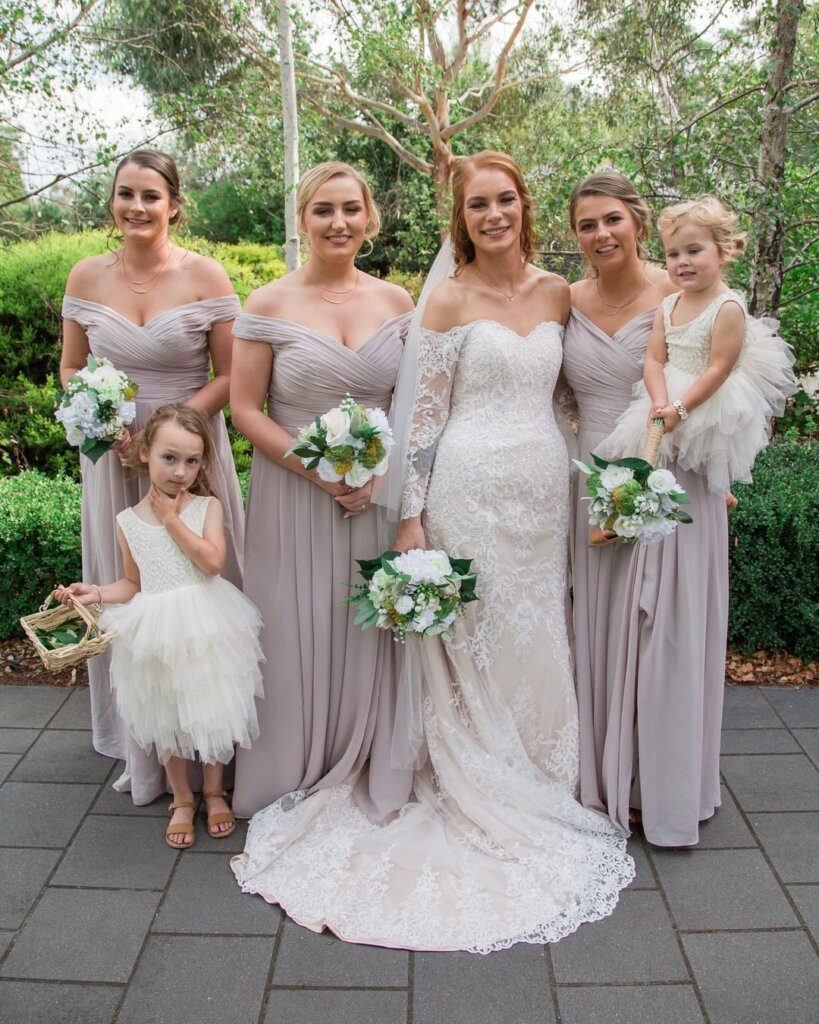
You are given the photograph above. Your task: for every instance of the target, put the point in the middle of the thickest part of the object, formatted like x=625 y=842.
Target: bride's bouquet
x=348 y=443
x=631 y=499
x=96 y=406
x=418 y=592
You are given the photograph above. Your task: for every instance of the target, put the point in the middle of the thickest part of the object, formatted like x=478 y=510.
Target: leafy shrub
x=774 y=553
x=39 y=542
x=30 y=437
x=32 y=283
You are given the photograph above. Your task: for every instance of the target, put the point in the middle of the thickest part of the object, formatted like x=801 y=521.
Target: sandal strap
x=181 y=803
x=182 y=827
x=221 y=818
x=213 y=793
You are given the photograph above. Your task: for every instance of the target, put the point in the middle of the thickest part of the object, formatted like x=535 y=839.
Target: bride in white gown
x=493 y=849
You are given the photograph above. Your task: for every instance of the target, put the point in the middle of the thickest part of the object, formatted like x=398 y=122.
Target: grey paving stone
x=643 y=878
x=29 y=707
x=323 y=961
x=759 y=977
x=204 y=897
x=117 y=853
x=62 y=756
x=714 y=889
x=28 y=1002
x=82 y=935
x=634 y=944
x=7 y=762
x=336 y=1006
x=806 y=897
x=462 y=988
x=726 y=828
x=206 y=980
x=111 y=802
x=744 y=707
x=17 y=741
x=809 y=741
x=772 y=782
x=75 y=713
x=758 y=741
x=646 y=1004
x=5 y=942
x=792 y=843
x=23 y=873
x=798 y=708
x=39 y=814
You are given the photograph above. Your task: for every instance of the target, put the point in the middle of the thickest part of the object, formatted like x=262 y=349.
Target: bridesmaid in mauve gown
x=162 y=315
x=649 y=621
x=304 y=342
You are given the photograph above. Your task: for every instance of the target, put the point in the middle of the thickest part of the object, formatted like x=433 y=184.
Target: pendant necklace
x=611 y=308
x=150 y=281
x=349 y=292
x=495 y=288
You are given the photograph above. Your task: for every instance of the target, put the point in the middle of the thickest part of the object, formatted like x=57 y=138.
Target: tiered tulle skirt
x=185 y=669
x=722 y=437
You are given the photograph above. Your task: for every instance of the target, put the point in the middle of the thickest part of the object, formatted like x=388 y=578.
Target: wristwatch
x=682 y=412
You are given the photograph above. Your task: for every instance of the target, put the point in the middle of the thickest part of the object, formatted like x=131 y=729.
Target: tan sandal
x=184 y=828
x=219 y=818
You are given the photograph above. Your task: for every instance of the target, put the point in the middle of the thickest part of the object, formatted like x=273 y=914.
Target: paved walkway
x=101 y=922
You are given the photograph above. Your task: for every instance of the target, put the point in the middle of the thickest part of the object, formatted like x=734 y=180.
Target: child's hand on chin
x=163 y=506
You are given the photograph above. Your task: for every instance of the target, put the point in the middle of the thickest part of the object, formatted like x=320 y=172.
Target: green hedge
x=39 y=542
x=774 y=553
x=774 y=550
x=32 y=282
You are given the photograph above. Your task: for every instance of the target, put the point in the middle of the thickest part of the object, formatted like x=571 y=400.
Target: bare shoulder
x=84 y=276
x=552 y=285
x=394 y=296
x=731 y=313
x=446 y=306
x=581 y=291
x=209 y=275
x=658 y=277
x=268 y=300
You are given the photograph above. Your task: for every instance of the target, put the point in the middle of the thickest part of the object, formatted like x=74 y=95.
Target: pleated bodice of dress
x=167 y=357
x=313 y=372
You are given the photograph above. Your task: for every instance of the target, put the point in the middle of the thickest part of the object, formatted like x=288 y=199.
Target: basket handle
x=654 y=438
x=91 y=624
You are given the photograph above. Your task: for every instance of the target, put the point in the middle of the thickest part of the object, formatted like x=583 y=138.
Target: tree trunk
x=290 y=119
x=766 y=269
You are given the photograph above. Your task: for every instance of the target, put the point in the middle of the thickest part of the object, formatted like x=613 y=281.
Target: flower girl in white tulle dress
x=715 y=375
x=185 y=665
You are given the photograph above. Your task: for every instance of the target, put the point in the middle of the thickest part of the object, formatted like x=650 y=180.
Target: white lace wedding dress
x=494 y=849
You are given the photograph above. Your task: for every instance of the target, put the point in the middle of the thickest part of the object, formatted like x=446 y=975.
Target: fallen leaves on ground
x=21 y=666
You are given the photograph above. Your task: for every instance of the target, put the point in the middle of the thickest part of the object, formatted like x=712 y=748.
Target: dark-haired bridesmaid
x=163 y=315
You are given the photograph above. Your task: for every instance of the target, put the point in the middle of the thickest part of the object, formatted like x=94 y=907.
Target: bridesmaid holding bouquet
x=304 y=342
x=162 y=315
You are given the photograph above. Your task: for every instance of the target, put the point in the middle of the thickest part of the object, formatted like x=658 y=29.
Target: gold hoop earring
x=363 y=255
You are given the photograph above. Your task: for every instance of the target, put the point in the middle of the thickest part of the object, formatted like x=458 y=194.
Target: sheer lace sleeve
x=437 y=359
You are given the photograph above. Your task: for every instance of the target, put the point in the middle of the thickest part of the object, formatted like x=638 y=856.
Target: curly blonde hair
x=706 y=212
x=463 y=249
x=319 y=175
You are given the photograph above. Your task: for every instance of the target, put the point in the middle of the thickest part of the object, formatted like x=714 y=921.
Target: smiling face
x=492 y=211
x=174 y=458
x=693 y=259
x=606 y=232
x=335 y=218
x=141 y=204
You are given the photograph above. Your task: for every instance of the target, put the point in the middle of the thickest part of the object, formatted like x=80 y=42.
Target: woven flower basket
x=92 y=643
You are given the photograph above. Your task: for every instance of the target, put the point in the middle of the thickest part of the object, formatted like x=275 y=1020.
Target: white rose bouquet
x=416 y=593
x=633 y=500
x=348 y=443
x=96 y=406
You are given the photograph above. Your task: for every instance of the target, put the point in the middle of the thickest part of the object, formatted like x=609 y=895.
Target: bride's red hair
x=463 y=251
